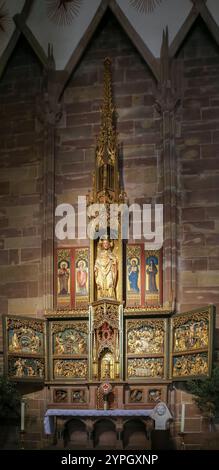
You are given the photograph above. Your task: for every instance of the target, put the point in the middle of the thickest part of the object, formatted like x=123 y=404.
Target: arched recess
x=134 y=435
x=75 y=434
x=105 y=434
x=106 y=365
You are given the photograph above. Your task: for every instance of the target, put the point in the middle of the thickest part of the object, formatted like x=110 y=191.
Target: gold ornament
x=106 y=271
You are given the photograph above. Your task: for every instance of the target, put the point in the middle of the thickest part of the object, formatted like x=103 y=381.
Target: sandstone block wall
x=198 y=172
x=138 y=121
x=139 y=128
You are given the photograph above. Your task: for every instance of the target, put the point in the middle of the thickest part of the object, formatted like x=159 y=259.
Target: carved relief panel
x=76 y=396
x=191 y=344
x=146 y=349
x=68 y=350
x=139 y=395
x=24 y=348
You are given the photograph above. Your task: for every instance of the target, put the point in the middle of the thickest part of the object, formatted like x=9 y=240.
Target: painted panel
x=133 y=275
x=64 y=278
x=153 y=277
x=81 y=277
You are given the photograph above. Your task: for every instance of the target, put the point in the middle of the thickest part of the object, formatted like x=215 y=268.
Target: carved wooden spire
x=106 y=188
x=107 y=148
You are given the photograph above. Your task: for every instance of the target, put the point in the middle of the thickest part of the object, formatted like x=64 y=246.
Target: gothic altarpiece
x=110 y=324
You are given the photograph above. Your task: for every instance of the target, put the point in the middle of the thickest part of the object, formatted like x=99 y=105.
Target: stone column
x=90 y=432
x=48 y=114
x=119 y=433
x=166 y=104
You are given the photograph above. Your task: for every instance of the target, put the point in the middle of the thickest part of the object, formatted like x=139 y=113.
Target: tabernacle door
x=191 y=344
x=24 y=348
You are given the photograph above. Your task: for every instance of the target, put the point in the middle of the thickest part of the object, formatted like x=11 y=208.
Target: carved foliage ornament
x=66 y=312
x=14 y=324
x=106 y=312
x=142 y=323
x=79 y=326
x=183 y=319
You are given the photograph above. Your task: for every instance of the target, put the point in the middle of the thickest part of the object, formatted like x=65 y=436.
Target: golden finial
x=106 y=182
x=106 y=150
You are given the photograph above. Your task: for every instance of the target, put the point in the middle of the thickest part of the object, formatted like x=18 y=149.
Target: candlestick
x=182 y=423
x=22 y=415
x=182 y=440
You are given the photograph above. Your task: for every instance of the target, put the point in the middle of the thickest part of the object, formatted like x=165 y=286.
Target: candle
x=182 y=423
x=22 y=414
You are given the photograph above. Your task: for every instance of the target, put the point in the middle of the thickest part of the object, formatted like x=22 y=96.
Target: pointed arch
x=198 y=10
x=35 y=45
x=15 y=36
x=136 y=40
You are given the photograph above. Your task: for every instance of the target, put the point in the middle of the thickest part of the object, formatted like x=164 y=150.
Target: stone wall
x=198 y=172
x=138 y=123
x=139 y=127
x=197 y=153
x=21 y=198
x=20 y=187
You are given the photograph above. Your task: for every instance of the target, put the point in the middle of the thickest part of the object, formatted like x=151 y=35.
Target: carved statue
x=19 y=367
x=106 y=271
x=14 y=346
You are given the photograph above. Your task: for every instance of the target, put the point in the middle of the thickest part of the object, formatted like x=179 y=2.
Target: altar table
x=52 y=414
